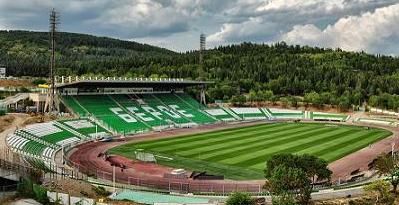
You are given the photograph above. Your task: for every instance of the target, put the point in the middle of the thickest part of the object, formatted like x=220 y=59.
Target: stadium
x=149 y=133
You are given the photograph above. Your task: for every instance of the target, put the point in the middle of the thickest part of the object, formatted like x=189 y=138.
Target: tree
x=387 y=165
x=294 y=101
x=268 y=95
x=238 y=198
x=283 y=69
x=344 y=103
x=284 y=102
x=294 y=175
x=313 y=98
x=379 y=190
x=238 y=100
x=286 y=182
x=252 y=96
x=314 y=167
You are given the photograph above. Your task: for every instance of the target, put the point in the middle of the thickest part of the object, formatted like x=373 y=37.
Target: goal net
x=145 y=157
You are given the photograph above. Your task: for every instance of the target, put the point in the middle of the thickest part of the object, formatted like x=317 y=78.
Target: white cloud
x=235 y=32
x=142 y=17
x=176 y=24
x=266 y=21
x=318 y=6
x=22 y=5
x=369 y=31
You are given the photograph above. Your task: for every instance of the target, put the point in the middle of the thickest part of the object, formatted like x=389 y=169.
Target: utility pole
x=54 y=22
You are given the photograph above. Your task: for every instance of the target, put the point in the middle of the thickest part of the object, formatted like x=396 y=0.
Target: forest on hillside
x=259 y=71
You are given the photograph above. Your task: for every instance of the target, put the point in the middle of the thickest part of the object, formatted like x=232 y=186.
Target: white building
x=2 y=72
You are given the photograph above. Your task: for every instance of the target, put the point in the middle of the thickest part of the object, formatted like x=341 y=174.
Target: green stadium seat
x=277 y=113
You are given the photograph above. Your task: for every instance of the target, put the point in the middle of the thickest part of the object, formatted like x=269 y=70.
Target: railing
x=165 y=184
x=20 y=170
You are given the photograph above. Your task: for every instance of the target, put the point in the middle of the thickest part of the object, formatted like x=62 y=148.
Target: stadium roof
x=116 y=82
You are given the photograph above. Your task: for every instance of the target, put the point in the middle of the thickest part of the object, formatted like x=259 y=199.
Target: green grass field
x=241 y=153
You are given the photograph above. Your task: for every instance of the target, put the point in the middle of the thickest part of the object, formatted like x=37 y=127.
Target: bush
x=238 y=198
x=25 y=188
x=30 y=190
x=39 y=81
x=84 y=193
x=40 y=194
x=24 y=90
x=284 y=199
x=100 y=191
x=380 y=191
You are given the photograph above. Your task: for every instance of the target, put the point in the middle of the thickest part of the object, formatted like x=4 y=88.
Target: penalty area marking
x=160 y=156
x=163 y=157
x=330 y=125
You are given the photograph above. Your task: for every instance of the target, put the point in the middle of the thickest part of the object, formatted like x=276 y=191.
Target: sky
x=353 y=25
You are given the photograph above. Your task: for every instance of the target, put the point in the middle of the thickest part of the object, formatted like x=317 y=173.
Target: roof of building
x=116 y=82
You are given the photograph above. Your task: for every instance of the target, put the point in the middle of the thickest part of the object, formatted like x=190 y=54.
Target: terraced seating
x=85 y=127
x=113 y=116
x=74 y=105
x=143 y=112
x=186 y=108
x=138 y=113
x=37 y=154
x=284 y=113
x=39 y=142
x=378 y=121
x=50 y=133
x=328 y=116
x=16 y=142
x=220 y=114
x=42 y=129
x=167 y=113
x=190 y=100
x=134 y=113
x=33 y=148
x=249 y=113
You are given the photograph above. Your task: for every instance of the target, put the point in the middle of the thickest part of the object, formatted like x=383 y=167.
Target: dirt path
x=17 y=123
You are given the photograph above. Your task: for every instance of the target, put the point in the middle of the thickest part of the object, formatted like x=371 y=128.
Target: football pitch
x=241 y=153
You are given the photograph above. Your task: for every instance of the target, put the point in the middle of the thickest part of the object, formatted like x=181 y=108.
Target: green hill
x=262 y=72
x=26 y=53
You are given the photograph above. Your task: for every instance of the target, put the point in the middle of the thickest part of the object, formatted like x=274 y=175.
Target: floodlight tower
x=201 y=59
x=54 y=21
x=202 y=47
